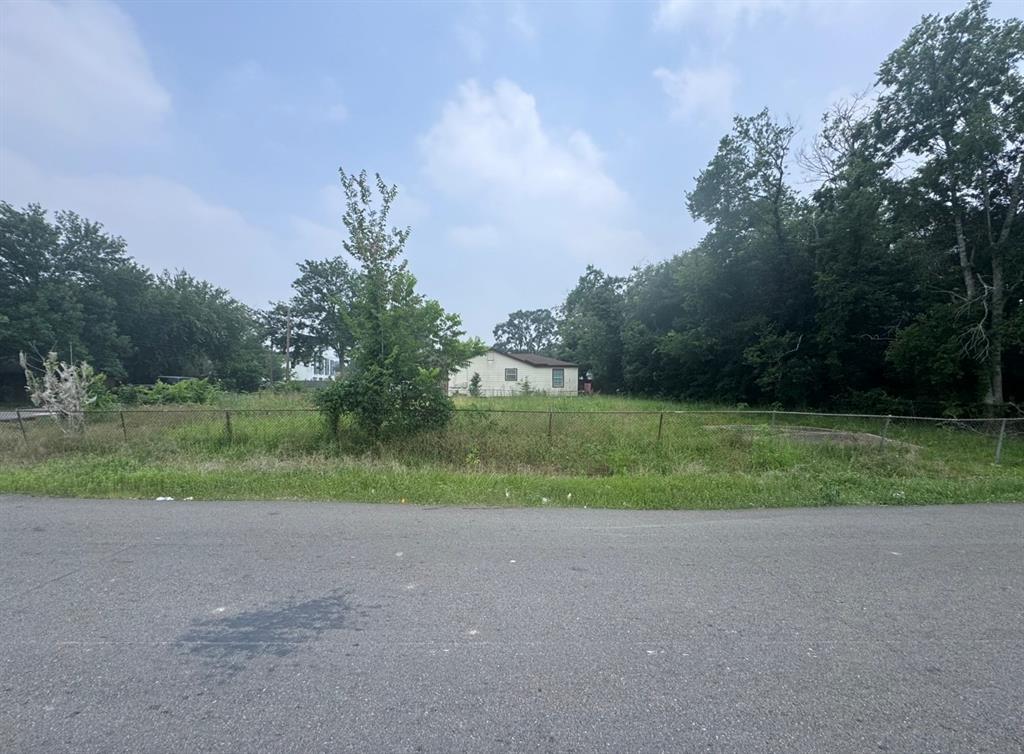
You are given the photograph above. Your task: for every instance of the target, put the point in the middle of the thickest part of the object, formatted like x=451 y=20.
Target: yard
x=531 y=450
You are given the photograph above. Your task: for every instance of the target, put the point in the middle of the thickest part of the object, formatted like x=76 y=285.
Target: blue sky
x=528 y=139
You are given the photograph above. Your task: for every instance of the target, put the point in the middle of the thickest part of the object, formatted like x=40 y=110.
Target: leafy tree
x=68 y=286
x=954 y=100
x=591 y=327
x=196 y=329
x=315 y=320
x=404 y=346
x=474 y=385
x=528 y=331
x=64 y=286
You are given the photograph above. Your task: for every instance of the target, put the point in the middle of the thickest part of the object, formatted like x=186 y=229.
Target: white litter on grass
x=163 y=499
x=189 y=498
x=507 y=494
x=545 y=500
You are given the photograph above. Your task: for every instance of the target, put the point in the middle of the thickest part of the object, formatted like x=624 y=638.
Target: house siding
x=491 y=367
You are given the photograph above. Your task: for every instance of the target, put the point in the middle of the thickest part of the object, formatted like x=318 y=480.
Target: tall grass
x=641 y=451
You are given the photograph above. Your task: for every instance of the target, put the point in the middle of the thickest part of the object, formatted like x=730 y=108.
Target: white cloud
x=701 y=93
x=77 y=71
x=538 y=203
x=492 y=144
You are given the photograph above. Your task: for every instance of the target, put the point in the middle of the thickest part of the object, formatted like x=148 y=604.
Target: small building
x=503 y=373
x=319 y=369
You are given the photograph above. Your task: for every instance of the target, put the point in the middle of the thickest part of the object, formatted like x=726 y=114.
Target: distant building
x=504 y=373
x=319 y=370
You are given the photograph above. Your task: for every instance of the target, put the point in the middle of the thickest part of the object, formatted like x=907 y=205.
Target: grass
x=528 y=450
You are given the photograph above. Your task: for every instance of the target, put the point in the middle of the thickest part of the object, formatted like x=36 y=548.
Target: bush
x=162 y=393
x=383 y=409
x=474 y=385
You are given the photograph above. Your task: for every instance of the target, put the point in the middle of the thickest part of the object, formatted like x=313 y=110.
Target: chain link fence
x=559 y=440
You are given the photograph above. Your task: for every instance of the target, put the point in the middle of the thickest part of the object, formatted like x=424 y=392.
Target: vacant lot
x=532 y=450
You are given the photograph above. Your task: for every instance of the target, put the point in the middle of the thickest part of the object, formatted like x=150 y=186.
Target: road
x=200 y=626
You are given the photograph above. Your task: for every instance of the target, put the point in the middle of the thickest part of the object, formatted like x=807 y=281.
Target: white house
x=319 y=370
x=507 y=374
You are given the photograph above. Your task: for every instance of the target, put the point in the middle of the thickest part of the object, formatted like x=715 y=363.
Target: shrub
x=192 y=391
x=474 y=385
x=62 y=389
x=384 y=409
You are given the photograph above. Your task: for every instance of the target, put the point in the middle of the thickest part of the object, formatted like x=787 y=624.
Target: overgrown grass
x=523 y=451
x=320 y=478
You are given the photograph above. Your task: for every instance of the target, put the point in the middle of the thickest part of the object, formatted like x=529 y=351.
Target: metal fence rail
x=554 y=435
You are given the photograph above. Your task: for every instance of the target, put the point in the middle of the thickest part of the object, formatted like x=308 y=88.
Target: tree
x=196 y=329
x=289 y=334
x=403 y=345
x=954 y=100
x=528 y=331
x=68 y=286
x=591 y=327
x=315 y=319
x=865 y=279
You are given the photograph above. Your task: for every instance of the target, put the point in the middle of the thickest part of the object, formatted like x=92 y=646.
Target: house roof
x=535 y=359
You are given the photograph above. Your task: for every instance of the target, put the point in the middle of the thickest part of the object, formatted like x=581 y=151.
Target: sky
x=527 y=139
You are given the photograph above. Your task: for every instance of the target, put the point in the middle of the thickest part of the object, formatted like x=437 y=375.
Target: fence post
x=773 y=417
x=885 y=431
x=124 y=428
x=551 y=415
x=661 y=423
x=227 y=425
x=999 y=444
x=21 y=425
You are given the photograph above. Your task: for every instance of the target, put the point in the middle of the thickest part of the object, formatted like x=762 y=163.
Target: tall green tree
x=68 y=286
x=591 y=327
x=404 y=345
x=528 y=331
x=65 y=286
x=315 y=320
x=953 y=99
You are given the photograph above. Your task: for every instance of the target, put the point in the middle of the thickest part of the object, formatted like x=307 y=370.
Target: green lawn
x=597 y=451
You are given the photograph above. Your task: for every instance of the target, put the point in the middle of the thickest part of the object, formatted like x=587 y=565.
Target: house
x=319 y=370
x=504 y=373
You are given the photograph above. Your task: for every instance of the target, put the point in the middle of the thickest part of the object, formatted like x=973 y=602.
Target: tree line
x=895 y=284
x=69 y=287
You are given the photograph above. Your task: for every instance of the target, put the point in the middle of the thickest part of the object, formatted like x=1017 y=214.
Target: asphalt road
x=144 y=626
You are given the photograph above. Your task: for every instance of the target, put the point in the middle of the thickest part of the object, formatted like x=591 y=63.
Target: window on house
x=558 y=377
x=511 y=374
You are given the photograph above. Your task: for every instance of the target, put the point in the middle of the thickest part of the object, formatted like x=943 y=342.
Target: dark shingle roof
x=535 y=359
